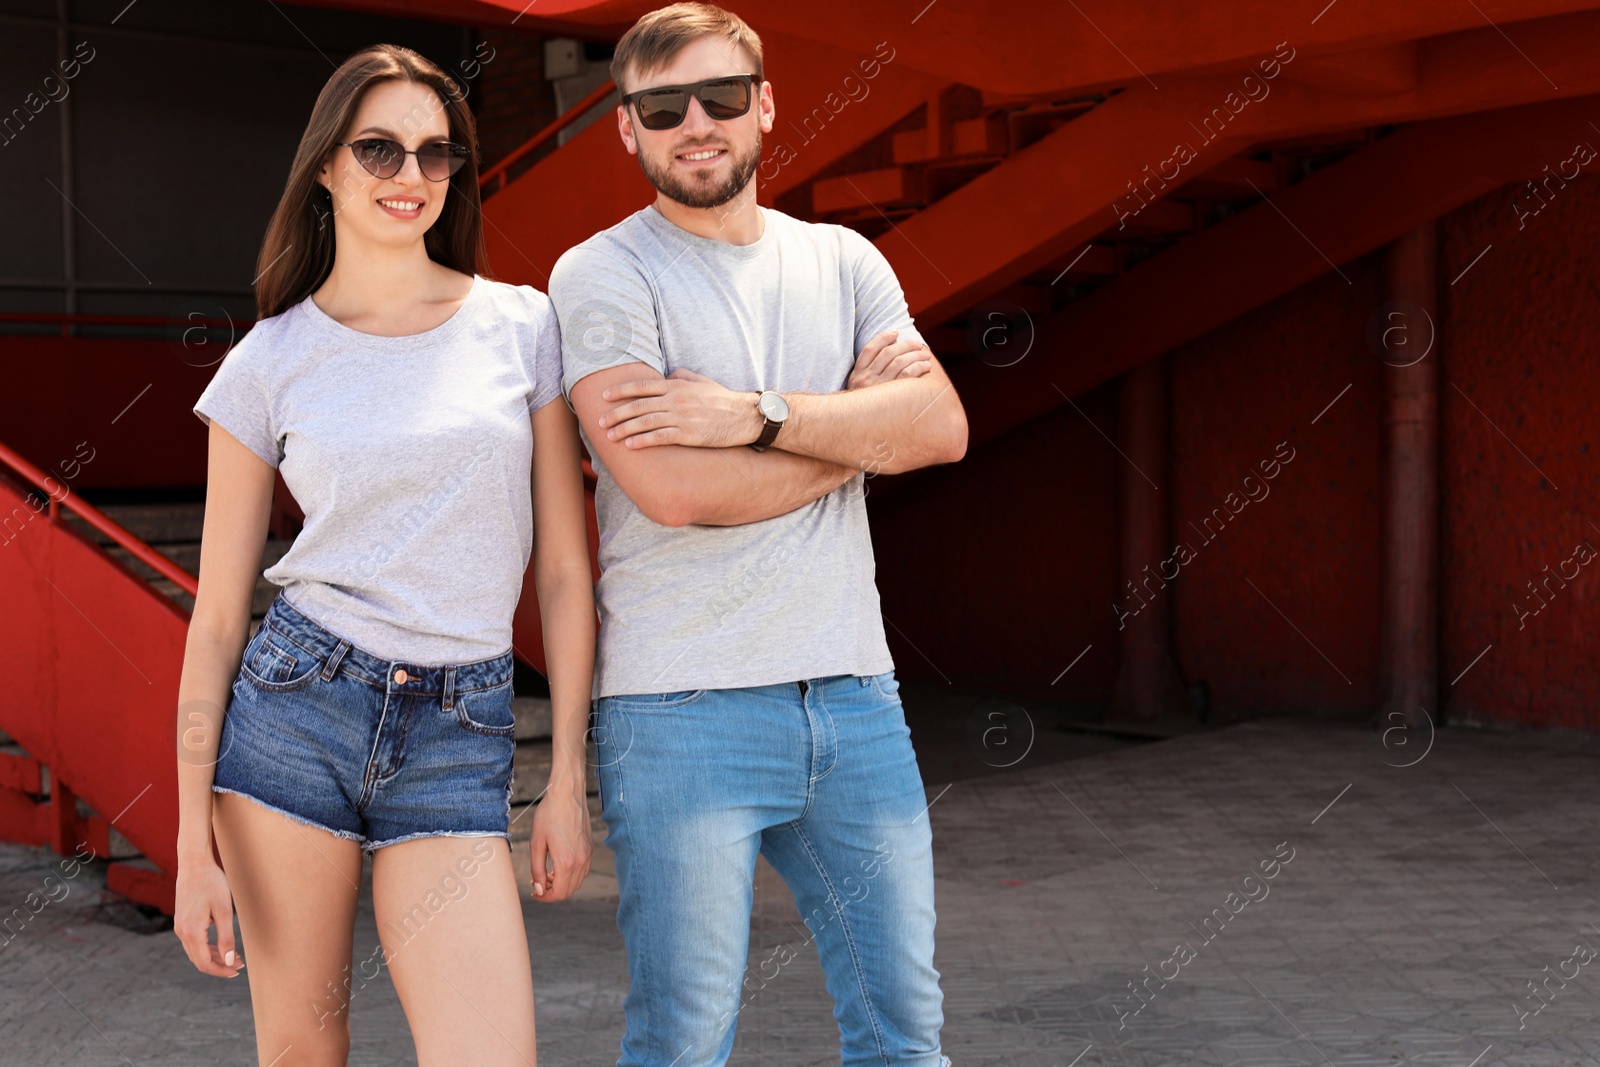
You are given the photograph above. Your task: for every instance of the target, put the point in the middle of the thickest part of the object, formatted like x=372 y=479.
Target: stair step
x=265 y=593
x=186 y=554
x=969 y=139
x=522 y=831
x=882 y=189
x=533 y=718
x=530 y=771
x=155 y=524
x=121 y=847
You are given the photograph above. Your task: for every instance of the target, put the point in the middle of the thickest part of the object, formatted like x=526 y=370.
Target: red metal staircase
x=91 y=653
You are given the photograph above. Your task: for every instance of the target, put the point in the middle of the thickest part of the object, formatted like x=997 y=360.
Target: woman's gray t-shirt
x=411 y=458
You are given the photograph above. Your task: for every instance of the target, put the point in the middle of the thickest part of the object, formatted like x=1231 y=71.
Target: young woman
x=405 y=397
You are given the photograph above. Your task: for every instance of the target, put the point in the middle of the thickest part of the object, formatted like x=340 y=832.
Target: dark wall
x=1306 y=553
x=998 y=571
x=183 y=118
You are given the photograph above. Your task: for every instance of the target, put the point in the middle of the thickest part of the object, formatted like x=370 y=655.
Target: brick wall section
x=511 y=100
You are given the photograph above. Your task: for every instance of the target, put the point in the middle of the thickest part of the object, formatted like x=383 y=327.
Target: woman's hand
x=203 y=900
x=561 y=834
x=885 y=359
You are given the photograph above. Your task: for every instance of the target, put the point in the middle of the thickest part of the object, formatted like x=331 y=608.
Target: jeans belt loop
x=449 y=688
x=332 y=666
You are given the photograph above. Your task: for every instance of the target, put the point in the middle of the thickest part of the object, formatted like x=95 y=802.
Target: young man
x=745 y=697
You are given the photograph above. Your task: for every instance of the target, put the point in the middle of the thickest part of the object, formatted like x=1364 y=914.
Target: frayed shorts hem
x=350 y=835
x=372 y=846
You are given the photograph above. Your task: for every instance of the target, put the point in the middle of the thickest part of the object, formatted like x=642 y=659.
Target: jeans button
x=400 y=676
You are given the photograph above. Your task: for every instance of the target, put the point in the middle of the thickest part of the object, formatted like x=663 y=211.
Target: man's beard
x=697 y=193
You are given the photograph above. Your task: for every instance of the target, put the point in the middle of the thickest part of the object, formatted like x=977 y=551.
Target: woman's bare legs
x=294 y=889
x=450 y=918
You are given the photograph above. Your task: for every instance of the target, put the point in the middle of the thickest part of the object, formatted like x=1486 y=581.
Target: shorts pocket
x=658 y=701
x=487 y=711
x=276 y=664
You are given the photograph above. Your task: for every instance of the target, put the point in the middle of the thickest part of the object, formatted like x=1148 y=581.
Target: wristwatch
x=775 y=409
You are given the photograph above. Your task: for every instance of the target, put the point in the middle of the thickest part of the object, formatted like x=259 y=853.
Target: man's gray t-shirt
x=411 y=458
x=717 y=607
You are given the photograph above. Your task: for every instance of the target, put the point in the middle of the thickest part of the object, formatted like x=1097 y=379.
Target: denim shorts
x=369 y=749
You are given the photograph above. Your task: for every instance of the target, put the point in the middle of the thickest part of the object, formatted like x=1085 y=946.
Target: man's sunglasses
x=665 y=106
x=383 y=158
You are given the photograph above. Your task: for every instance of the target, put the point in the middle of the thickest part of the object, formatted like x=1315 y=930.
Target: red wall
x=1310 y=545
x=127 y=403
x=995 y=573
x=1520 y=337
x=1021 y=536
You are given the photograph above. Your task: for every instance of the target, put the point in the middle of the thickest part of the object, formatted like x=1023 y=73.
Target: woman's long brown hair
x=297 y=253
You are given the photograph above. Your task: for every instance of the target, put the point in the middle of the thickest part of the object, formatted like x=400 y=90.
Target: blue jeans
x=817 y=776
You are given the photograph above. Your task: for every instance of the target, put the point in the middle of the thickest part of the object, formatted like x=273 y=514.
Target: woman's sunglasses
x=665 y=106
x=383 y=158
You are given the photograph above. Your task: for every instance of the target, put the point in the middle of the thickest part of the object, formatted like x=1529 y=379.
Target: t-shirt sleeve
x=607 y=314
x=543 y=352
x=240 y=398
x=880 y=302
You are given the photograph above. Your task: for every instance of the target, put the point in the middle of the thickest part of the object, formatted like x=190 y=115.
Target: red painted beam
x=604 y=21
x=1343 y=211
x=1044 y=203
x=1042 y=45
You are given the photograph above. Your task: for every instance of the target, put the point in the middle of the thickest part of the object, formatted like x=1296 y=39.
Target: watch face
x=774 y=406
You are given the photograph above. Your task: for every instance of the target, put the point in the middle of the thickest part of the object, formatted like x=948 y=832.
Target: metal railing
x=496 y=175
x=100 y=521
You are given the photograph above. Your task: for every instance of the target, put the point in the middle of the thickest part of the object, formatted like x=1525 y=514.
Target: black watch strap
x=769 y=433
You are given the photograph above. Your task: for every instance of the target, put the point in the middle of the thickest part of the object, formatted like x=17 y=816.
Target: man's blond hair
x=656 y=39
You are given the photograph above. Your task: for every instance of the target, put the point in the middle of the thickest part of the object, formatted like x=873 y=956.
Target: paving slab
x=1110 y=909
